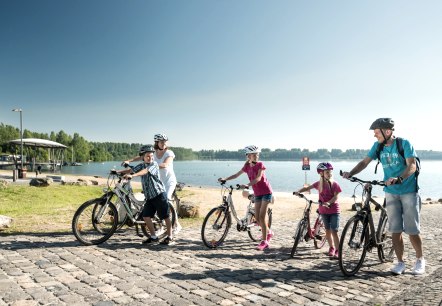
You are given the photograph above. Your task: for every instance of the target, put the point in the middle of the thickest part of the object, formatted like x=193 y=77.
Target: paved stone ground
x=54 y=269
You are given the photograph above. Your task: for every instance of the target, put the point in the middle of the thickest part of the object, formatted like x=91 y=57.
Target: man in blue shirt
x=402 y=198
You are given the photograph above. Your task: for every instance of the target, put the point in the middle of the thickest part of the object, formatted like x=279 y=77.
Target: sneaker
x=336 y=255
x=150 y=240
x=419 y=267
x=399 y=268
x=270 y=235
x=331 y=252
x=263 y=245
x=167 y=241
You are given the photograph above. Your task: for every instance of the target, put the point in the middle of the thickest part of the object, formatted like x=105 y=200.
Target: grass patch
x=50 y=209
x=43 y=209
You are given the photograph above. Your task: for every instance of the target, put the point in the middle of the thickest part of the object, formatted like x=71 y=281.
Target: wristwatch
x=400 y=179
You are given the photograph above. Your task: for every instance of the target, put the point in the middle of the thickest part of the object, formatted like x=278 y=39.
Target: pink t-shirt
x=263 y=186
x=328 y=192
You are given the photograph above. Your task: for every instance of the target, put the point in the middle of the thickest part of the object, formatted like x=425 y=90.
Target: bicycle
x=217 y=222
x=305 y=231
x=96 y=220
x=359 y=235
x=175 y=199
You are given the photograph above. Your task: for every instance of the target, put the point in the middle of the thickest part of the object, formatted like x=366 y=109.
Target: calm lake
x=284 y=176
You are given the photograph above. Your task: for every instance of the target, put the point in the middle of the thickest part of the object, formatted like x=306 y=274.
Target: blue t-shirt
x=152 y=185
x=394 y=165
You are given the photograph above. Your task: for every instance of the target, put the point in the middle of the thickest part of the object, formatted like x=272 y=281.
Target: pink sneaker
x=270 y=235
x=331 y=252
x=263 y=245
x=336 y=255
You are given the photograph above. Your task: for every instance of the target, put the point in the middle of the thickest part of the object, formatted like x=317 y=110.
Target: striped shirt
x=152 y=185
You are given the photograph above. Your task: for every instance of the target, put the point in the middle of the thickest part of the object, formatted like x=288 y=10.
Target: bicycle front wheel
x=122 y=214
x=215 y=227
x=253 y=228
x=319 y=233
x=94 y=222
x=385 y=250
x=300 y=232
x=352 y=247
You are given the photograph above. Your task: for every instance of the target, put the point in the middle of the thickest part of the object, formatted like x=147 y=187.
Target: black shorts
x=158 y=205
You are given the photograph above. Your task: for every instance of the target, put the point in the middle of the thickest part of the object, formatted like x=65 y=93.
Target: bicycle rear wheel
x=94 y=222
x=253 y=229
x=385 y=250
x=319 y=233
x=215 y=227
x=352 y=247
x=299 y=234
x=158 y=224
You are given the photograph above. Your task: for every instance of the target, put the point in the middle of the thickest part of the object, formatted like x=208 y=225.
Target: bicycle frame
x=228 y=203
x=366 y=212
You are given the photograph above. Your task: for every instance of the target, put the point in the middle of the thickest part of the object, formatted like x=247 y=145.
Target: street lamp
x=21 y=133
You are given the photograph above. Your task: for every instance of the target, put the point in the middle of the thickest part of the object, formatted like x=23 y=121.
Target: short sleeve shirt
x=263 y=186
x=152 y=185
x=327 y=193
x=394 y=165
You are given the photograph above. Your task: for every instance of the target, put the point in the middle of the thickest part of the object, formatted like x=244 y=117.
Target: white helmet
x=251 y=149
x=160 y=137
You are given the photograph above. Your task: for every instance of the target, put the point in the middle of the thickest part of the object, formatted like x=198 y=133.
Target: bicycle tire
x=352 y=246
x=85 y=222
x=319 y=232
x=158 y=224
x=385 y=250
x=254 y=230
x=220 y=225
x=299 y=234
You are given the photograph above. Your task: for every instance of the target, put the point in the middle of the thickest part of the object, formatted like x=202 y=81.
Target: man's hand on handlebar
x=393 y=181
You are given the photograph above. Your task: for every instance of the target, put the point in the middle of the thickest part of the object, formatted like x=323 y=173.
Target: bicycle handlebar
x=355 y=179
x=302 y=196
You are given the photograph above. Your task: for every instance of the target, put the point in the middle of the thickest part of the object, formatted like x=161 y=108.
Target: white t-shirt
x=167 y=175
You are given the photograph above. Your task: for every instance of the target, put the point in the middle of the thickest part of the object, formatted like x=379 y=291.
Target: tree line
x=81 y=150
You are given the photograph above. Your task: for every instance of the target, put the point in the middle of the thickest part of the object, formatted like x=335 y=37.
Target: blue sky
x=224 y=74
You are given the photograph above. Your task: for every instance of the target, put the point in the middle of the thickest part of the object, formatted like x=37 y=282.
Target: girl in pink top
x=329 y=210
x=261 y=188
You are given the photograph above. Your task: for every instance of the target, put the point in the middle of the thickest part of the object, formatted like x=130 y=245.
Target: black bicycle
x=360 y=236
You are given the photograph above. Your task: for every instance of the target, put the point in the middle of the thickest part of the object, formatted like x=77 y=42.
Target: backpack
x=400 y=149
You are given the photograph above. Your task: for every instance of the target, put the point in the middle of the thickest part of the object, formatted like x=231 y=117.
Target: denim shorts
x=403 y=212
x=266 y=197
x=158 y=205
x=331 y=221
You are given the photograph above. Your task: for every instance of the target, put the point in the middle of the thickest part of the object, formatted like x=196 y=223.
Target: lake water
x=284 y=176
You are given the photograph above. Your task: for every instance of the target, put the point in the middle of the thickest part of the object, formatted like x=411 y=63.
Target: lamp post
x=21 y=134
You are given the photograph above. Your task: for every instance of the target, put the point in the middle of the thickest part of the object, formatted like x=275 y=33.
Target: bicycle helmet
x=145 y=149
x=382 y=123
x=324 y=166
x=251 y=149
x=160 y=137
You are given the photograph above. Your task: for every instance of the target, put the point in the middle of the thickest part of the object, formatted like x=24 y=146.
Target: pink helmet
x=324 y=166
